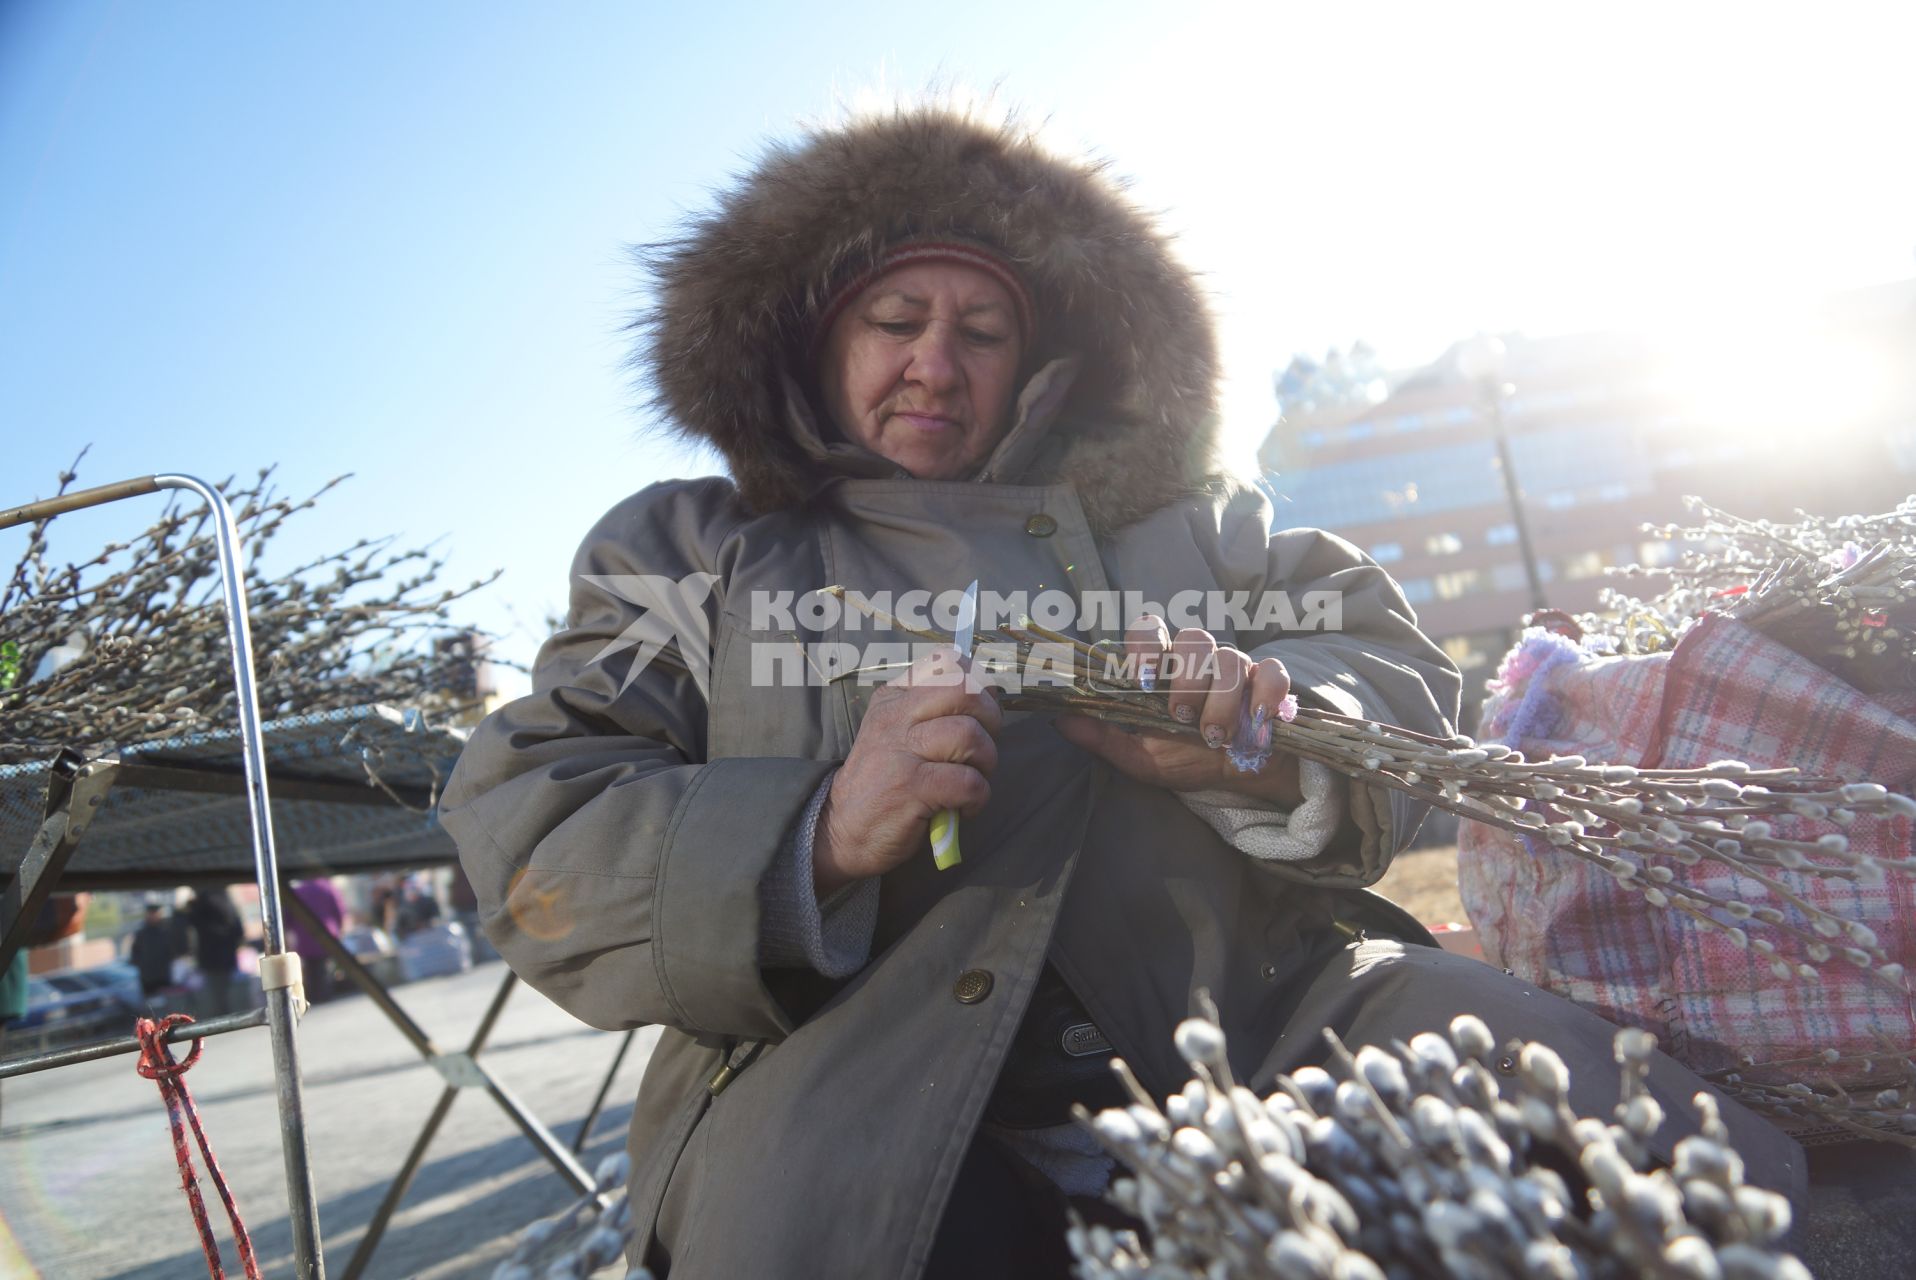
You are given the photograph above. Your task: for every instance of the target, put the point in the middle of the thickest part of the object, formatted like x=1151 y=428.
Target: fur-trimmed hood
x=739 y=293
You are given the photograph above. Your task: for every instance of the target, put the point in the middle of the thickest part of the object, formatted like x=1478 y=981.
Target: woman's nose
x=934 y=356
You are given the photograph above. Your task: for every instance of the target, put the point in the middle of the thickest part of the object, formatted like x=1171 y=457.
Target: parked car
x=117 y=979
x=61 y=1010
x=373 y=947
x=434 y=950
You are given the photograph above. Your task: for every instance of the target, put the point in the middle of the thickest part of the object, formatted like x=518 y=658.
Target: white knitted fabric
x=1274 y=835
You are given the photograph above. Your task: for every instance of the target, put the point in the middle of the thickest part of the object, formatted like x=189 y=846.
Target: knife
x=944 y=823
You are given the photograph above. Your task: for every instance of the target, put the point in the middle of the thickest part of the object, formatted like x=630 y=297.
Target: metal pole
x=47 y=508
x=1494 y=392
x=302 y=1201
x=128 y=1044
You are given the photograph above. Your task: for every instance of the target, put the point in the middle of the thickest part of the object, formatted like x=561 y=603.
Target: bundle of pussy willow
x=1420 y=1163
x=129 y=645
x=1636 y=824
x=1841 y=592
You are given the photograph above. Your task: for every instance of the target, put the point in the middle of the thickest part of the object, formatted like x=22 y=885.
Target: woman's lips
x=928 y=422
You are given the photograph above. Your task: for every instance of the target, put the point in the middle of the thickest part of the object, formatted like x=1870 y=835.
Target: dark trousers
x=1004 y=1220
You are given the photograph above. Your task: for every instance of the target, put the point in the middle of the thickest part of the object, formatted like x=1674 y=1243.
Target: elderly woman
x=930 y=351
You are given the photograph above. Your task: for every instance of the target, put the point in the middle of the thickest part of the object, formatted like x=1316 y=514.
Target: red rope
x=156 y=1064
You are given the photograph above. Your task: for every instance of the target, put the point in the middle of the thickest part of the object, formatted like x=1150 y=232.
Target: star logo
x=673 y=615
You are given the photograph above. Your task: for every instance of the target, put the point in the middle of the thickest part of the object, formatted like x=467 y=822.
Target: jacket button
x=972 y=986
x=1041 y=526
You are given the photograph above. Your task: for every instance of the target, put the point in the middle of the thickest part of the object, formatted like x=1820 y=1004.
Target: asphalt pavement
x=89 y=1189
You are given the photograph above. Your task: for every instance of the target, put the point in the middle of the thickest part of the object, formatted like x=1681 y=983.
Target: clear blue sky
x=388 y=238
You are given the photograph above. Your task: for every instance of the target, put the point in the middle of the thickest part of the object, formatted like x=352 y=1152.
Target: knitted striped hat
x=911 y=253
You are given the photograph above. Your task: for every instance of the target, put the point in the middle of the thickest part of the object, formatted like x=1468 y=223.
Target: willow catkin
x=582 y=1239
x=1418 y=1163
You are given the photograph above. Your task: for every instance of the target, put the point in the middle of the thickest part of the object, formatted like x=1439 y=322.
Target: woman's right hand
x=926 y=744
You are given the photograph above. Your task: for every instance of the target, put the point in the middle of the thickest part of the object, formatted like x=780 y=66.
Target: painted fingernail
x=1185 y=715
x=1213 y=736
x=1147 y=676
x=1259 y=736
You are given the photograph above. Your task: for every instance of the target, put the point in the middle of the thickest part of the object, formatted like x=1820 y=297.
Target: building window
x=1464 y=652
x=1452 y=585
x=1374 y=488
x=1387 y=552
x=1500 y=535
x=1443 y=544
x=1417 y=590
x=1508 y=577
x=1585 y=564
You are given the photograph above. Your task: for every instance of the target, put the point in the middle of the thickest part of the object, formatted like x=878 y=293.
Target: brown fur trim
x=737 y=293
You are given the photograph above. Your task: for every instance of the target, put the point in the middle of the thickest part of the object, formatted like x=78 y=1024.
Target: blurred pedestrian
x=418 y=905
x=385 y=904
x=152 y=950
x=217 y=934
x=329 y=908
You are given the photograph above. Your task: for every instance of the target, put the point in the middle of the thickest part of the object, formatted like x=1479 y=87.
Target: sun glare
x=1781 y=380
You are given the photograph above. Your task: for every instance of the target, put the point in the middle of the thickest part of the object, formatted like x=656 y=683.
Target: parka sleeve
x=1352 y=645
x=617 y=869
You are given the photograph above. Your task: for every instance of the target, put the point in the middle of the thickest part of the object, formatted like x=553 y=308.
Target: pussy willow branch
x=130 y=644
x=1841 y=592
x=1632 y=823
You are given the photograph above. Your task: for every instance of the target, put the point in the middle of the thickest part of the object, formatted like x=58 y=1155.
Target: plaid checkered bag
x=1725 y=693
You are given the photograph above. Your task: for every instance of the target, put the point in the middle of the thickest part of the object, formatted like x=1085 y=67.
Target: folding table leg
x=605 y=1087
x=461 y=1070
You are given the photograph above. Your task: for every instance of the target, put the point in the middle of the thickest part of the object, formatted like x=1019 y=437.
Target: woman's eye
x=896 y=328
x=981 y=338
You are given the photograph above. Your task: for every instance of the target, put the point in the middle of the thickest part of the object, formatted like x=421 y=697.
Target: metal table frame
x=80 y=788
x=77 y=790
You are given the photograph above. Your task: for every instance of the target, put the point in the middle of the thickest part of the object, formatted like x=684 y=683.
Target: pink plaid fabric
x=1727 y=692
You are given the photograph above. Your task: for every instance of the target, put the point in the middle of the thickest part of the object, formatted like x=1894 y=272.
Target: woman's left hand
x=1225 y=693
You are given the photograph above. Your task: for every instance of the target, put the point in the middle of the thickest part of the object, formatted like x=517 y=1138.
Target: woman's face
x=921 y=367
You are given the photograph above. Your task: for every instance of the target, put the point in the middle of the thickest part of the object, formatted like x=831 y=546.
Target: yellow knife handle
x=944 y=839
